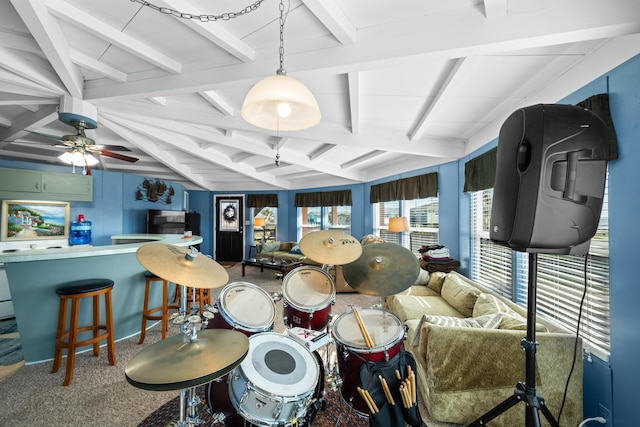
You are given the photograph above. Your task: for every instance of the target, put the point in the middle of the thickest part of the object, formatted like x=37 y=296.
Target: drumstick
x=412 y=383
x=363 y=329
x=373 y=408
x=405 y=397
x=387 y=392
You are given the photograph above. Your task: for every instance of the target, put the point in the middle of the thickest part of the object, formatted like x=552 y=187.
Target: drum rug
x=335 y=414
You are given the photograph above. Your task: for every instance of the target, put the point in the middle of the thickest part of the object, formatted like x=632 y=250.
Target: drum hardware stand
x=526 y=391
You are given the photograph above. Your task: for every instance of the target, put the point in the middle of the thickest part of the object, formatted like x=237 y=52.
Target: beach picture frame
x=34 y=220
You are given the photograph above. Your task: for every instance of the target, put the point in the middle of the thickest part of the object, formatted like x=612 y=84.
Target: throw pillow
x=490 y=321
x=295 y=250
x=450 y=321
x=371 y=238
x=489 y=304
x=436 y=279
x=459 y=295
x=270 y=247
x=423 y=278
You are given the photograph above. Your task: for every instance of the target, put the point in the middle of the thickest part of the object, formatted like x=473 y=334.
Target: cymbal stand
x=526 y=391
x=188 y=413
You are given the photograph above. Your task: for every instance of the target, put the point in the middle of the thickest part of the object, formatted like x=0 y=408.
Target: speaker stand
x=526 y=392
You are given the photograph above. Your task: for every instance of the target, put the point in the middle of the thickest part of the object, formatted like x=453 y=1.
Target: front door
x=229 y=228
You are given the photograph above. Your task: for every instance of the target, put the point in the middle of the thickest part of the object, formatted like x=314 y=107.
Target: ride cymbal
x=382 y=269
x=182 y=266
x=330 y=247
x=178 y=363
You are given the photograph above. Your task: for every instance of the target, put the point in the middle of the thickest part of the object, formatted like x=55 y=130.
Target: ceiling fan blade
x=98 y=147
x=117 y=156
x=46 y=135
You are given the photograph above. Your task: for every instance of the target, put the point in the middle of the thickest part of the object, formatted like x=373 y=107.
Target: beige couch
x=469 y=357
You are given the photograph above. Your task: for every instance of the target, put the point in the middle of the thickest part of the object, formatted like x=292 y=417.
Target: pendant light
x=279 y=102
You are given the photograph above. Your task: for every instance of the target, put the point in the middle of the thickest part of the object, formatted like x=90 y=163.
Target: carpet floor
x=100 y=395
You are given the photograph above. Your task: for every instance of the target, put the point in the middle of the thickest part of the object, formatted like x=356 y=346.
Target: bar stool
x=202 y=296
x=147 y=313
x=68 y=338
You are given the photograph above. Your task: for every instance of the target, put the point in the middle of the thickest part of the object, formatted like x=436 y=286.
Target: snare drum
x=387 y=334
x=308 y=293
x=244 y=307
x=276 y=383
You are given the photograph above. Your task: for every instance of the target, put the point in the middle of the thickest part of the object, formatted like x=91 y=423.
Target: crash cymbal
x=330 y=247
x=182 y=266
x=382 y=269
x=178 y=363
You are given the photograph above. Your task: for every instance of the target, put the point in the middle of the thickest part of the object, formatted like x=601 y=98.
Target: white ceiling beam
x=20 y=42
x=149 y=147
x=77 y=17
x=420 y=38
x=159 y=100
x=24 y=85
x=47 y=32
x=362 y=159
x=98 y=67
x=29 y=120
x=5 y=122
x=216 y=100
x=211 y=31
x=445 y=87
x=187 y=145
x=334 y=19
x=322 y=151
x=35 y=71
x=495 y=8
x=354 y=100
x=13 y=99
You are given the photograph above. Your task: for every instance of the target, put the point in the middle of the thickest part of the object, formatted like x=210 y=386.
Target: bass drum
x=309 y=294
x=218 y=396
x=244 y=307
x=387 y=333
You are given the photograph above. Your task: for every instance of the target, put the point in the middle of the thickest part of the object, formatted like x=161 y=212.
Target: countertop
x=82 y=251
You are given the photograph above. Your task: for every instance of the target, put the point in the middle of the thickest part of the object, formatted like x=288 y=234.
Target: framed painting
x=34 y=220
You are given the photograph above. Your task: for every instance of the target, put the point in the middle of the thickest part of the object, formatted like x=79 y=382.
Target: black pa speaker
x=550 y=177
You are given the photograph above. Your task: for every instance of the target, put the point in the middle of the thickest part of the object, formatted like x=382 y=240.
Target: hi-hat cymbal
x=178 y=363
x=182 y=266
x=330 y=247
x=382 y=269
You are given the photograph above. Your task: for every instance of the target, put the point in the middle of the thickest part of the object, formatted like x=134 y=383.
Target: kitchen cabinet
x=21 y=184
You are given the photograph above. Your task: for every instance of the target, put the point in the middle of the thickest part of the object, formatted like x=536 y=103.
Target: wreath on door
x=229 y=214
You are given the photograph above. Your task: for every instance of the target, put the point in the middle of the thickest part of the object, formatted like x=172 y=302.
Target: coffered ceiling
x=401 y=85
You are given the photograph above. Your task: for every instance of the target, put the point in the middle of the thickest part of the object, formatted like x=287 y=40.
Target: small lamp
x=398 y=224
x=78 y=158
x=260 y=222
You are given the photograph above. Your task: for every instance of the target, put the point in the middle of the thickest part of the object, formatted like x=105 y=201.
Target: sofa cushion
x=459 y=294
x=413 y=307
x=270 y=247
x=489 y=304
x=436 y=280
x=515 y=321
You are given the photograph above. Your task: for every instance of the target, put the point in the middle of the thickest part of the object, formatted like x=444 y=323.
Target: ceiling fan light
x=281 y=103
x=78 y=158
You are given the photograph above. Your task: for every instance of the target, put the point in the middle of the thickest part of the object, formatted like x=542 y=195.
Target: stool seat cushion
x=150 y=275
x=84 y=286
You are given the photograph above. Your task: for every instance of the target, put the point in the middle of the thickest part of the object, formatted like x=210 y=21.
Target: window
x=560 y=279
x=423 y=222
x=490 y=263
x=317 y=218
x=269 y=231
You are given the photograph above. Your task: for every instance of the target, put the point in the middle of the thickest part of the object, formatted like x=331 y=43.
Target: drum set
x=257 y=377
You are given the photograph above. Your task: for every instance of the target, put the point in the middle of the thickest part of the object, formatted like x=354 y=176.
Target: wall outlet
x=605 y=413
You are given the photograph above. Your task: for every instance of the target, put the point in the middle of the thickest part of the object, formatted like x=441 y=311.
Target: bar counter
x=35 y=274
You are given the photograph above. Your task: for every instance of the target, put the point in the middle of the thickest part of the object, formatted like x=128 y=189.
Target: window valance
x=480 y=172
x=416 y=187
x=259 y=201
x=324 y=198
x=599 y=104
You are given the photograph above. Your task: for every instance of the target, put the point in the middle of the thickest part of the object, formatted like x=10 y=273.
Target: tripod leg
x=499 y=409
x=547 y=414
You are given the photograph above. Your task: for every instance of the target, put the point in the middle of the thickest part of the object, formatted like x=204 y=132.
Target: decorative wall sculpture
x=155 y=191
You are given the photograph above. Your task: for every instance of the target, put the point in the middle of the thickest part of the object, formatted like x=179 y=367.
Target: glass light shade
x=281 y=103
x=399 y=224
x=77 y=158
x=258 y=222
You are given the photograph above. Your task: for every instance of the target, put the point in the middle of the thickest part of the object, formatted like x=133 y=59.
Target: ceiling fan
x=80 y=147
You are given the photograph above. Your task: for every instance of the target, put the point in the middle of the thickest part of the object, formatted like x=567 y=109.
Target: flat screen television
x=165 y=221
